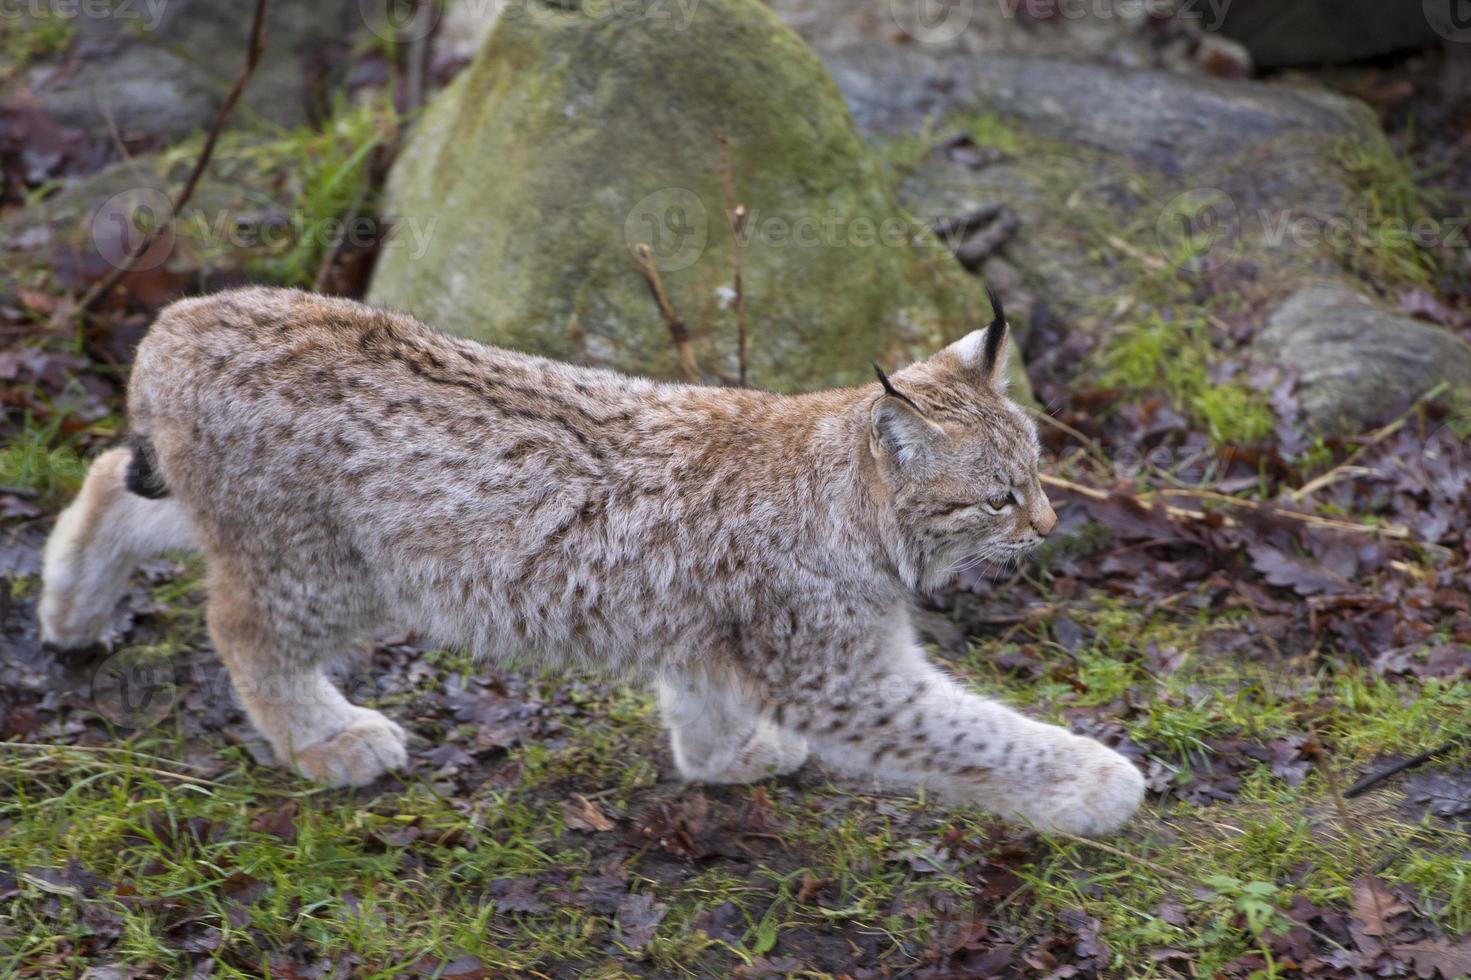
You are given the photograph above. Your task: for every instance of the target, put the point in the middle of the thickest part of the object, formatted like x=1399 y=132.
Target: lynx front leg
x=288 y=697
x=908 y=723
x=718 y=732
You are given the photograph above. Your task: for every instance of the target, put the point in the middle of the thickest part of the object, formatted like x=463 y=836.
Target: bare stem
x=103 y=286
x=677 y=328
x=735 y=212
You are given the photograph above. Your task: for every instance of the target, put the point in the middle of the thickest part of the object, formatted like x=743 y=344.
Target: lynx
x=753 y=555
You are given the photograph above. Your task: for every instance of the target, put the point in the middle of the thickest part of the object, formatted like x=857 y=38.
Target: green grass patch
x=1174 y=358
x=39 y=458
x=1383 y=246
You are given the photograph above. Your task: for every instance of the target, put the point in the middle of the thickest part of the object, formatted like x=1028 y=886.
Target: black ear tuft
x=891 y=391
x=995 y=333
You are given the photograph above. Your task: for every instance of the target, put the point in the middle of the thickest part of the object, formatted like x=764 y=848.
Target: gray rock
x=164 y=67
x=1355 y=362
x=574 y=136
x=1143 y=192
x=1171 y=123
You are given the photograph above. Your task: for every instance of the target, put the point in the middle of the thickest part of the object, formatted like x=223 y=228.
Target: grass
x=383 y=880
x=1383 y=248
x=298 y=189
x=35 y=459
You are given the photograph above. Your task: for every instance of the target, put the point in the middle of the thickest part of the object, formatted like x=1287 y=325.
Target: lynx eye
x=1001 y=502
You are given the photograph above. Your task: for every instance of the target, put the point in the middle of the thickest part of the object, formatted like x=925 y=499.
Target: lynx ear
x=899 y=424
x=982 y=353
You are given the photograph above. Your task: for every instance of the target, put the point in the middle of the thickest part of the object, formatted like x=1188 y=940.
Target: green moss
x=1174 y=358
x=1383 y=246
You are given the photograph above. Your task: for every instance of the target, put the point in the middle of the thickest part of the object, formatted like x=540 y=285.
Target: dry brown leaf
x=580 y=813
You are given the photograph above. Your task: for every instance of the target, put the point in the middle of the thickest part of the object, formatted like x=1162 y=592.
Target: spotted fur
x=754 y=555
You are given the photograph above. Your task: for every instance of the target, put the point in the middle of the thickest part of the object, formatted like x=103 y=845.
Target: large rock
x=1356 y=361
x=581 y=130
x=1316 y=32
x=1147 y=194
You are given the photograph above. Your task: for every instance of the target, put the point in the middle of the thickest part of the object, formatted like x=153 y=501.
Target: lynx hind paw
x=769 y=751
x=371 y=746
x=1102 y=792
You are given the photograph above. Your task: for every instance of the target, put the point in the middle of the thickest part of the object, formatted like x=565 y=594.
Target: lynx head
x=959 y=460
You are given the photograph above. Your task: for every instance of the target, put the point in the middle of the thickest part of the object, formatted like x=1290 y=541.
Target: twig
x=1347 y=468
x=677 y=328
x=1151 y=262
x=1094 y=449
x=95 y=749
x=1374 y=779
x=103 y=286
x=1107 y=848
x=1383 y=530
x=736 y=213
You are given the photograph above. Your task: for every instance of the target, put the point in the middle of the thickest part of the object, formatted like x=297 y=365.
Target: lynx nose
x=1044 y=522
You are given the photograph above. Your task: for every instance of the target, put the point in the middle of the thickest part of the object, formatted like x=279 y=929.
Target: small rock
x=1358 y=364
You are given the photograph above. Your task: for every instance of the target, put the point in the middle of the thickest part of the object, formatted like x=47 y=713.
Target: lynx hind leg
x=718 y=732
x=97 y=543
x=275 y=660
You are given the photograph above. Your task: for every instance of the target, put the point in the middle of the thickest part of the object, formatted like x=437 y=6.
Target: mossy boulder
x=581 y=130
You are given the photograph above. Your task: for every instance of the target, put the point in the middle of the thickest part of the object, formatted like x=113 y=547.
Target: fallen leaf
x=580 y=813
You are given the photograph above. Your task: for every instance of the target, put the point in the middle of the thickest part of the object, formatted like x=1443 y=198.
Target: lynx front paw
x=371 y=746
x=1098 y=794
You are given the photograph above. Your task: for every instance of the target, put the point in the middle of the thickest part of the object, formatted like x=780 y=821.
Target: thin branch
x=1184 y=513
x=102 y=287
x=1374 y=779
x=1347 y=467
x=677 y=328
x=736 y=213
x=1091 y=445
x=1319 y=754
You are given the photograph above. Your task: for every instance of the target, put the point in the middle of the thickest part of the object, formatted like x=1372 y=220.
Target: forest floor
x=1252 y=657
x=1258 y=626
